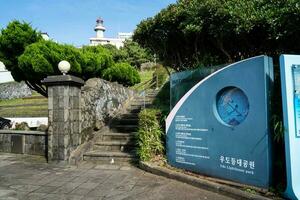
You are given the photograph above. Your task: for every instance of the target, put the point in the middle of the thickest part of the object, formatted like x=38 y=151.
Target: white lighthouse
x=101 y=40
x=99 y=28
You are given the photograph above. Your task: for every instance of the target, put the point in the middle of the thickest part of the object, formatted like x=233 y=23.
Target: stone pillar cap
x=63 y=80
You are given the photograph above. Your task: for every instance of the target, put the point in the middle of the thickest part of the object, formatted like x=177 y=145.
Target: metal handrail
x=144 y=83
x=143 y=92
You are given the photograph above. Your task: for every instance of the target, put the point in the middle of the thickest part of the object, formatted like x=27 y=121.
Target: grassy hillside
x=35 y=106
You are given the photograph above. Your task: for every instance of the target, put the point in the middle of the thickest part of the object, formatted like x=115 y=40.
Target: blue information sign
x=296 y=84
x=220 y=127
x=290 y=87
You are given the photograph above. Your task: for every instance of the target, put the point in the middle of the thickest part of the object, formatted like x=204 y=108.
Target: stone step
x=152 y=92
x=147 y=97
x=140 y=106
x=124 y=128
x=136 y=103
x=130 y=116
x=118 y=136
x=142 y=99
x=125 y=121
x=115 y=145
x=117 y=158
x=136 y=110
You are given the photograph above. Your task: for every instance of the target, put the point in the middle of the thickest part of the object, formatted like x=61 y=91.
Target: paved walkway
x=25 y=177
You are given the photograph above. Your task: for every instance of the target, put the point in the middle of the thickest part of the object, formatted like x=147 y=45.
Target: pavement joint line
x=200 y=183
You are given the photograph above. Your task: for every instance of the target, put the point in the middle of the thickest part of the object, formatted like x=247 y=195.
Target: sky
x=73 y=21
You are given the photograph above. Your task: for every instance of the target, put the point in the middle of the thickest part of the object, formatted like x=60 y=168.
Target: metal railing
x=146 y=86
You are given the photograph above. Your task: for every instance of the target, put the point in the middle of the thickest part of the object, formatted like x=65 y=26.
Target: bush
x=23 y=126
x=160 y=75
x=41 y=59
x=95 y=60
x=123 y=73
x=162 y=102
x=150 y=135
x=131 y=53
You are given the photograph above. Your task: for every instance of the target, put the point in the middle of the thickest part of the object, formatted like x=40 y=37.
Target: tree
x=13 y=41
x=31 y=59
x=95 y=60
x=40 y=60
x=193 y=33
x=118 y=54
x=131 y=53
x=135 y=54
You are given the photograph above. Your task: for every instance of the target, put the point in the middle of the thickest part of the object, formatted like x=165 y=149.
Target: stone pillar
x=64 y=114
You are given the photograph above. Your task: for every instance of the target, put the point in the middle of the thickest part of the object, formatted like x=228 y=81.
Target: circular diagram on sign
x=232 y=105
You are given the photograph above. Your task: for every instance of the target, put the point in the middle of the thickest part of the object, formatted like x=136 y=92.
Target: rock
x=100 y=100
x=42 y=127
x=14 y=90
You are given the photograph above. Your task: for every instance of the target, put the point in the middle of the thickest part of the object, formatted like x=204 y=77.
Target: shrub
x=123 y=73
x=22 y=126
x=160 y=76
x=150 y=135
x=131 y=53
x=40 y=60
x=162 y=102
x=95 y=60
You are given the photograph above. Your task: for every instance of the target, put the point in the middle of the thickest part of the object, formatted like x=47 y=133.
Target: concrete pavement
x=28 y=177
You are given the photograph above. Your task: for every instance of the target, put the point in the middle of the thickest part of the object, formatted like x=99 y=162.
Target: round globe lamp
x=64 y=67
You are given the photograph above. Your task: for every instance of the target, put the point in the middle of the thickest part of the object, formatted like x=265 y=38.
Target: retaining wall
x=23 y=142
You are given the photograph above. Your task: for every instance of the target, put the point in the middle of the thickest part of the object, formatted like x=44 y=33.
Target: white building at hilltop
x=5 y=76
x=101 y=40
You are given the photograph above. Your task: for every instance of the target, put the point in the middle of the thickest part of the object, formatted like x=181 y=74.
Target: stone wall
x=100 y=101
x=14 y=90
x=23 y=142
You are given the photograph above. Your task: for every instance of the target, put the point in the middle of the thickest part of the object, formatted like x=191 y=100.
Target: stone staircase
x=117 y=146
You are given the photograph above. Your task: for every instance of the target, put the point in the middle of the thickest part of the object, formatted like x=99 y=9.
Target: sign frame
x=288 y=63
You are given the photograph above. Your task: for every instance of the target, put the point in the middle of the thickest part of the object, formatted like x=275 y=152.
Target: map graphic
x=232 y=106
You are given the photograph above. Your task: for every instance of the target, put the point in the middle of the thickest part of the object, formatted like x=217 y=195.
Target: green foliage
x=131 y=53
x=194 y=33
x=136 y=55
x=146 y=78
x=160 y=76
x=118 y=54
x=278 y=129
x=95 y=60
x=31 y=59
x=149 y=137
x=123 y=73
x=13 y=40
x=40 y=60
x=162 y=103
x=22 y=126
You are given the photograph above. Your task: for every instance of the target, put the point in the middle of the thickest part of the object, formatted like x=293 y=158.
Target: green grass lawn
x=145 y=76
x=21 y=101
x=36 y=106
